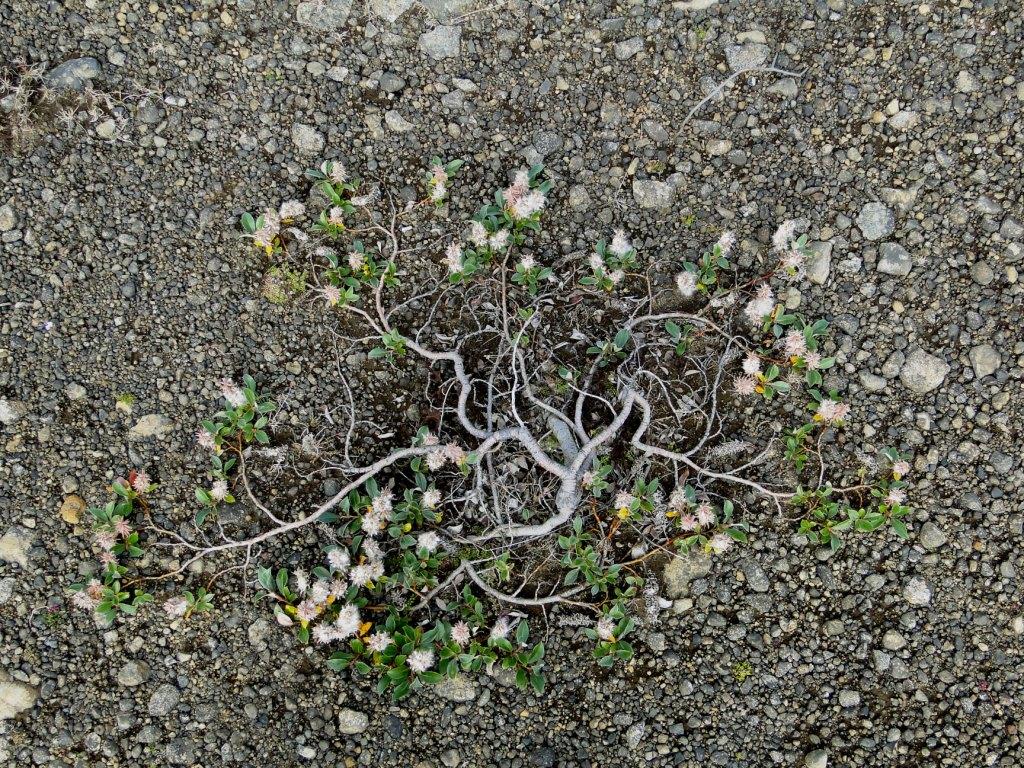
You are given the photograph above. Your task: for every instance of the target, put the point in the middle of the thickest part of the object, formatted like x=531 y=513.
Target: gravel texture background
x=121 y=272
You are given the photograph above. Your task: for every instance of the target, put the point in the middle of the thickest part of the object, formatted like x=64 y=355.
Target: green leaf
x=537 y=681
x=523 y=632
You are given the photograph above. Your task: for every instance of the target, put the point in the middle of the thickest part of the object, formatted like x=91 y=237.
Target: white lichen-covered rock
x=351 y=721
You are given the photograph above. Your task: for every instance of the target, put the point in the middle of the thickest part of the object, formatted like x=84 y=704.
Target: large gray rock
x=816 y=759
x=441 y=42
x=73 y=74
x=324 y=15
x=922 y=372
x=876 y=221
x=680 y=571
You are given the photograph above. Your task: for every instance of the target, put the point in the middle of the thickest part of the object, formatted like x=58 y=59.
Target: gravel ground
x=121 y=273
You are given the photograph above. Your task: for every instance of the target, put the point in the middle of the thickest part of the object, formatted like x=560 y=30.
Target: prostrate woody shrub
x=592 y=418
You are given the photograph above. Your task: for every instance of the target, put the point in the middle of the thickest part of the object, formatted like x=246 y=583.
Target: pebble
x=323 y=15
x=894 y=260
x=351 y=721
x=922 y=372
x=931 y=536
x=390 y=10
x=14 y=546
x=653 y=195
x=441 y=42
x=747 y=56
x=133 y=673
x=164 y=700
x=985 y=360
x=876 y=221
x=72 y=509
x=917 y=592
x=15 y=698
x=74 y=73
x=627 y=49
x=307 y=139
x=816 y=759
x=459 y=688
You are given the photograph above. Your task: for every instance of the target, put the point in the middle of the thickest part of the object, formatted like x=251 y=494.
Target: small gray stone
x=894 y=260
x=132 y=673
x=15 y=698
x=816 y=759
x=444 y=10
x=150 y=425
x=848 y=698
x=904 y=120
x=307 y=139
x=653 y=195
x=786 y=87
x=893 y=640
x=8 y=218
x=876 y=221
x=390 y=10
x=351 y=721
x=11 y=411
x=982 y=273
x=323 y=15
x=917 y=592
x=164 y=700
x=627 y=49
x=747 y=56
x=107 y=129
x=922 y=372
x=579 y=198
x=681 y=570
x=656 y=131
x=635 y=734
x=966 y=82
x=441 y=42
x=871 y=382
x=984 y=359
x=931 y=536
x=14 y=546
x=458 y=688
x=820 y=263
x=396 y=122
x=693 y=5
x=547 y=142
x=754 y=573
x=73 y=73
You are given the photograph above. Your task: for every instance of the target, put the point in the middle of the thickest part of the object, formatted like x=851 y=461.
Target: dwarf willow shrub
x=591 y=417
